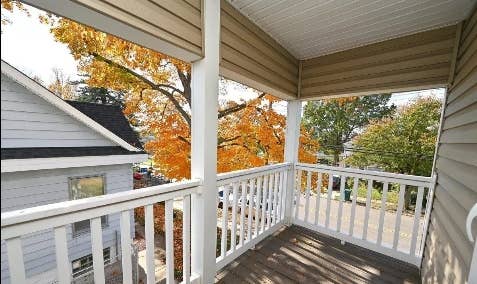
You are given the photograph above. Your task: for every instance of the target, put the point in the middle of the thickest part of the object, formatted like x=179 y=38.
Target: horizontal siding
x=28 y=189
x=176 y=21
x=417 y=61
x=448 y=251
x=250 y=56
x=29 y=121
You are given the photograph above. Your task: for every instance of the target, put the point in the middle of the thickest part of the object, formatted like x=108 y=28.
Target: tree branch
x=236 y=108
x=154 y=86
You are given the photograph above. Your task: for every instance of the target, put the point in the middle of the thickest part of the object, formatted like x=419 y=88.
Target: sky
x=29 y=46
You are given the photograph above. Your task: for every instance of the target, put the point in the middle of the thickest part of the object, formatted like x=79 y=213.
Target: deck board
x=298 y=255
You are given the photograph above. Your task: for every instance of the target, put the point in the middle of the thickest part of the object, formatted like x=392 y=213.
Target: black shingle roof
x=110 y=117
x=56 y=152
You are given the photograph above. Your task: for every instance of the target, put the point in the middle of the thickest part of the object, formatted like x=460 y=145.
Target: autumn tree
x=157 y=97
x=8 y=7
x=61 y=85
x=335 y=122
x=404 y=143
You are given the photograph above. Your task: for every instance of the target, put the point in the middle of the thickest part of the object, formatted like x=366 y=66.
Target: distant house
x=54 y=150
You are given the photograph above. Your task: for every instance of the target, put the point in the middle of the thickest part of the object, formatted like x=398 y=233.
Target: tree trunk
x=336 y=158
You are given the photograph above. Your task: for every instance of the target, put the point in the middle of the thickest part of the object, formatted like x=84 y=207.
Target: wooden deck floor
x=297 y=255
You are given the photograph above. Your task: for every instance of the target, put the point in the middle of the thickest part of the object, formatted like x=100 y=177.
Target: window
x=84 y=187
x=84 y=264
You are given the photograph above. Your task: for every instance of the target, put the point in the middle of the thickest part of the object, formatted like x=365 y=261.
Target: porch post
x=292 y=135
x=205 y=80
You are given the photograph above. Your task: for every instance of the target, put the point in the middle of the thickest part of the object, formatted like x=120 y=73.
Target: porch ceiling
x=311 y=28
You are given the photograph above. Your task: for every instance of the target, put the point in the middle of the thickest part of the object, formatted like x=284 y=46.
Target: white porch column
x=292 y=139
x=205 y=80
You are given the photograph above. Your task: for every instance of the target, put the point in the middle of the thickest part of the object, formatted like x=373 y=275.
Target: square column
x=292 y=141
x=205 y=80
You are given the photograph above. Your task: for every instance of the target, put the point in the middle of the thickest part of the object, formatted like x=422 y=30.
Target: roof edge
x=36 y=88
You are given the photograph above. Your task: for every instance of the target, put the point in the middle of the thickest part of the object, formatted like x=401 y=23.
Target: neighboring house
x=54 y=150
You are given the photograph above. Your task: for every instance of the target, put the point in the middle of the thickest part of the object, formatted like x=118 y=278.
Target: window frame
x=86 y=269
x=104 y=219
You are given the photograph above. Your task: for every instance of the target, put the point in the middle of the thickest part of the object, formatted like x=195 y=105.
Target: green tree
x=335 y=122
x=404 y=143
x=100 y=95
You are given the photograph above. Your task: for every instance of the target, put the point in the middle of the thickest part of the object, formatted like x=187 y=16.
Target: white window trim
x=21 y=165
x=75 y=232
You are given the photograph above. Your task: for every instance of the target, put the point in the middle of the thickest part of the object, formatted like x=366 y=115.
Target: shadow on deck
x=297 y=255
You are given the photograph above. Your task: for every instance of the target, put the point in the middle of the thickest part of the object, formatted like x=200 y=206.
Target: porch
x=297 y=255
x=337 y=239
x=345 y=240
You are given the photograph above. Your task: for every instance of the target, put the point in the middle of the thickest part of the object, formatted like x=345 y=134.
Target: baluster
x=242 y=210
x=275 y=197
x=318 y=195
x=97 y=249
x=298 y=194
x=264 y=202
x=397 y=225
x=258 y=206
x=233 y=232
x=149 y=231
x=281 y=194
x=250 y=209
x=126 y=247
x=284 y=194
x=307 y=195
x=169 y=216
x=417 y=217
x=270 y=197
x=186 y=240
x=225 y=215
x=368 y=208
x=63 y=264
x=382 y=213
x=328 y=201
x=16 y=265
x=353 y=205
x=340 y=208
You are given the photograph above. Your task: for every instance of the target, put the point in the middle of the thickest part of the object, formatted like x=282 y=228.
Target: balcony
x=269 y=231
x=288 y=222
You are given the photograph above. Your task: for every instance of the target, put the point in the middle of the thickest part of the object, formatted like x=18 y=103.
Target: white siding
x=34 y=188
x=30 y=121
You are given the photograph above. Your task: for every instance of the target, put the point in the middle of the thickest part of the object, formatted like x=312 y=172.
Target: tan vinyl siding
x=176 y=21
x=250 y=56
x=448 y=251
x=417 y=61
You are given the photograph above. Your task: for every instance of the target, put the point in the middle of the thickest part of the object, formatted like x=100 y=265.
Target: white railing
x=59 y=216
x=366 y=208
x=255 y=201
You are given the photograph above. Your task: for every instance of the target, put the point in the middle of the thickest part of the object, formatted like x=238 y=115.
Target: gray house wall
x=448 y=251
x=30 y=121
x=26 y=189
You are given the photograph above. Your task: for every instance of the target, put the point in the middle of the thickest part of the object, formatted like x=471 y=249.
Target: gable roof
x=111 y=117
x=51 y=98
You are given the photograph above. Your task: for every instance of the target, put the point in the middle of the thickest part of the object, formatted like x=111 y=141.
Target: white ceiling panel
x=310 y=28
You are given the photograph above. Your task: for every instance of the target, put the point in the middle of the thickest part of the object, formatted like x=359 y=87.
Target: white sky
x=29 y=46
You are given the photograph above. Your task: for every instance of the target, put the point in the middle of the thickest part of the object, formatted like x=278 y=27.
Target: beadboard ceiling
x=311 y=28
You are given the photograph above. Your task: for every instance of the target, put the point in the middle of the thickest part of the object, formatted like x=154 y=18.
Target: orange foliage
x=157 y=100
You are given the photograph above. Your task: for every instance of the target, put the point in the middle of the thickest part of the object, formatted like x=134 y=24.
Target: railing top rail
x=351 y=172
x=75 y=206
x=246 y=172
